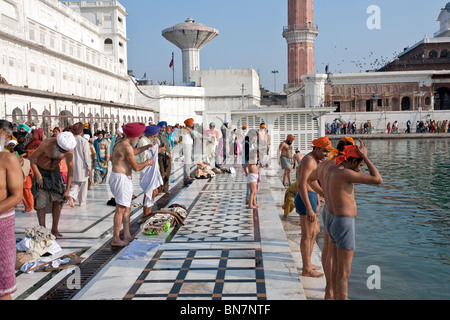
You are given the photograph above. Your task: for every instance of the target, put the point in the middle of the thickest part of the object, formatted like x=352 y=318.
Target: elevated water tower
x=190 y=37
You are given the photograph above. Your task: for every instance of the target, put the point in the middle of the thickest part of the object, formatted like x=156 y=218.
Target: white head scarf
x=66 y=141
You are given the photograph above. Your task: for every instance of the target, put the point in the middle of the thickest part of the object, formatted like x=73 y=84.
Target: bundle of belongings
x=289 y=199
x=161 y=221
x=35 y=252
x=222 y=170
x=204 y=171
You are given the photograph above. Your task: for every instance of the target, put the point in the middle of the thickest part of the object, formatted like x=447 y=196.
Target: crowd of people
x=59 y=167
x=428 y=126
x=327 y=175
x=63 y=167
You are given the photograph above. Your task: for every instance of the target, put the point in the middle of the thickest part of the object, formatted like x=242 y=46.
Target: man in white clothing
x=151 y=175
x=188 y=144
x=82 y=168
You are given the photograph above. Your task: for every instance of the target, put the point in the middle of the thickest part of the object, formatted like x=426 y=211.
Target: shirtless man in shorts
x=342 y=210
x=123 y=164
x=48 y=188
x=306 y=203
x=285 y=158
x=318 y=181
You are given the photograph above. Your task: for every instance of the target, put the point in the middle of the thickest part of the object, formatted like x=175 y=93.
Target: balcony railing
x=300 y=27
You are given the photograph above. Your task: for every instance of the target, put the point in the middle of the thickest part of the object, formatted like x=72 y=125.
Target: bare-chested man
x=342 y=210
x=48 y=188
x=306 y=203
x=11 y=188
x=317 y=180
x=297 y=158
x=123 y=164
x=285 y=158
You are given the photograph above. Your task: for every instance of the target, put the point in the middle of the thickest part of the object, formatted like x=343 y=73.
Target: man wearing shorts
x=285 y=158
x=306 y=203
x=319 y=175
x=48 y=188
x=342 y=210
x=124 y=163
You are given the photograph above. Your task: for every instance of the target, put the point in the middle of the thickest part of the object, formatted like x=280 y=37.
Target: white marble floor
x=224 y=250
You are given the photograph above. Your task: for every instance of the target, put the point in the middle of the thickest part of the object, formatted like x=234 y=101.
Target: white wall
x=52 y=48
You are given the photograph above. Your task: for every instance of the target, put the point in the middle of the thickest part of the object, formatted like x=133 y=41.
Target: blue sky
x=250 y=34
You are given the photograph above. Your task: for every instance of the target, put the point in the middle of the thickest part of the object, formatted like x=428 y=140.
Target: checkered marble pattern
x=202 y=273
x=219 y=215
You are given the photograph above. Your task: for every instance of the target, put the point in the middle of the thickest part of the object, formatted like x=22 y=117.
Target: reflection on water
x=403 y=224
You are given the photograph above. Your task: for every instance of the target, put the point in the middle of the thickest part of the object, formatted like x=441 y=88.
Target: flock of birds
x=364 y=64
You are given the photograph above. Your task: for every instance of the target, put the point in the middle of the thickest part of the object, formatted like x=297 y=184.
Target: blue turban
x=152 y=130
x=162 y=124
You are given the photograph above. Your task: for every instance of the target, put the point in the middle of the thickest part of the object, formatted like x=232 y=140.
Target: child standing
x=251 y=170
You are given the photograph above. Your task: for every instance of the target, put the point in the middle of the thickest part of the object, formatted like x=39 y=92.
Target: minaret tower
x=300 y=35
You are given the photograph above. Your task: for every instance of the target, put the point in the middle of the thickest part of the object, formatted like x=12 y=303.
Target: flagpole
x=173 y=69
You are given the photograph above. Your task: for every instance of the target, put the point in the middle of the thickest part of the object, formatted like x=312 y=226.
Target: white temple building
x=66 y=61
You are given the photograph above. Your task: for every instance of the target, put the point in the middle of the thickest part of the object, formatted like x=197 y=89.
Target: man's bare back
x=341 y=179
x=124 y=160
x=121 y=162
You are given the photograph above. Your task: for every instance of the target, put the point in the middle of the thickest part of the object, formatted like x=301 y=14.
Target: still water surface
x=403 y=225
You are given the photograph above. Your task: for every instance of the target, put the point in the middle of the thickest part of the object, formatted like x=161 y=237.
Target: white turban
x=66 y=141
x=11 y=141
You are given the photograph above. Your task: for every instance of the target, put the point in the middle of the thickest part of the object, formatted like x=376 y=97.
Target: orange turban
x=335 y=152
x=189 y=122
x=244 y=127
x=348 y=139
x=323 y=142
x=349 y=152
x=290 y=137
x=262 y=125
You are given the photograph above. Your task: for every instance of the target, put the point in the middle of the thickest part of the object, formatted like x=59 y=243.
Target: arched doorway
x=442 y=99
x=46 y=122
x=65 y=119
x=406 y=104
x=17 y=116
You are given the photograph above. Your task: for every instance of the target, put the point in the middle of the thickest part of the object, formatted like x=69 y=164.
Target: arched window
x=108 y=41
x=444 y=53
x=17 y=116
x=433 y=54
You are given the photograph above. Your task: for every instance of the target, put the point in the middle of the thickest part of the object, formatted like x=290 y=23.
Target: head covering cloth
x=162 y=124
x=11 y=141
x=152 y=130
x=335 y=152
x=323 y=142
x=349 y=152
x=66 y=141
x=134 y=130
x=189 y=122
